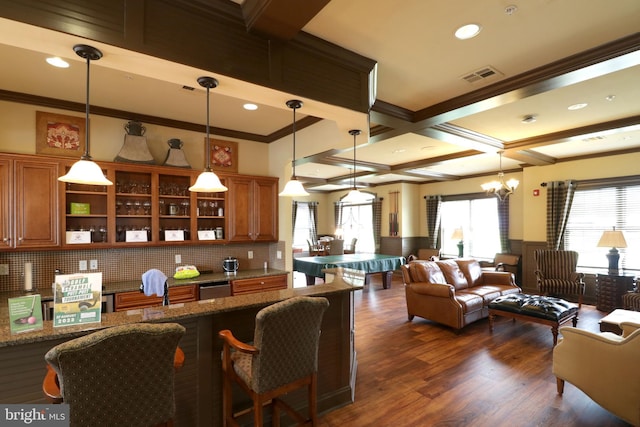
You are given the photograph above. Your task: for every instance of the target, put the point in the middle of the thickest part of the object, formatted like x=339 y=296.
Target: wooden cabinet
x=28 y=202
x=610 y=289
x=259 y=284
x=253 y=202
x=136 y=300
x=146 y=205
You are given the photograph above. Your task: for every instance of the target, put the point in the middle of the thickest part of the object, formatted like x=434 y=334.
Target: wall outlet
x=250 y=254
x=178 y=258
x=279 y=254
x=82 y=265
x=93 y=264
x=4 y=269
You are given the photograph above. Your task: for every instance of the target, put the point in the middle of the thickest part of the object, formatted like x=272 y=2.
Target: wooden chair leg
x=560 y=385
x=257 y=412
x=313 y=400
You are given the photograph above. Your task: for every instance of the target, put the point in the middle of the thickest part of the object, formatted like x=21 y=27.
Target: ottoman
x=534 y=308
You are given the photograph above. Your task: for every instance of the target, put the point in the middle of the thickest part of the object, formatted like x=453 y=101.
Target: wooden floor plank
x=423 y=374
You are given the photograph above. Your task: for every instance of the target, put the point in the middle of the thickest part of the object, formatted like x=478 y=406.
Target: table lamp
x=612 y=239
x=459 y=235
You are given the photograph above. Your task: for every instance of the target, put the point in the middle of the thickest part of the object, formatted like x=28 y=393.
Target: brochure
x=77 y=299
x=25 y=314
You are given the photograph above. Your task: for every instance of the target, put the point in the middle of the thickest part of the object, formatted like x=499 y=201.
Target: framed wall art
x=223 y=155
x=60 y=135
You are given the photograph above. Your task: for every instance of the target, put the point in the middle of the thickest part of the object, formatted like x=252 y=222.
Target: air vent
x=189 y=88
x=481 y=74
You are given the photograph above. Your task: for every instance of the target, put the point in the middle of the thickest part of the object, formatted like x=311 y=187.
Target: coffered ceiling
x=443 y=107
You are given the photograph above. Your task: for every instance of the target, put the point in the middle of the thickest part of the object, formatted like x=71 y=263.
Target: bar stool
x=117 y=376
x=282 y=358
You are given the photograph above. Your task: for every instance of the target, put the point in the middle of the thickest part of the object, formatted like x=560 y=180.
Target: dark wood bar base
x=198 y=384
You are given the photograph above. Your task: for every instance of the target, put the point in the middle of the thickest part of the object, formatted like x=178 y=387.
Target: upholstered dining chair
x=351 y=249
x=604 y=366
x=336 y=247
x=121 y=375
x=283 y=357
x=556 y=273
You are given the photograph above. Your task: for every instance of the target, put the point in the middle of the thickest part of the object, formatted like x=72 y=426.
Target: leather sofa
x=453 y=292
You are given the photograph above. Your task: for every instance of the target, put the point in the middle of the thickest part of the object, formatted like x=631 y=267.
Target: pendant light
x=355 y=195
x=85 y=171
x=207 y=182
x=294 y=188
x=500 y=188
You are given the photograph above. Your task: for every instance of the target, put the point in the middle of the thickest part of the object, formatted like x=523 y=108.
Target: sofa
x=453 y=292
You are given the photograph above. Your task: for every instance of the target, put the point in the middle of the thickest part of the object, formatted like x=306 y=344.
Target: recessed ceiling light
x=468 y=31
x=398 y=150
x=578 y=106
x=531 y=118
x=610 y=97
x=57 y=62
x=250 y=107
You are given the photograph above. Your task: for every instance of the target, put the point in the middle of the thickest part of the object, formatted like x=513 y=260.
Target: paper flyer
x=25 y=314
x=77 y=299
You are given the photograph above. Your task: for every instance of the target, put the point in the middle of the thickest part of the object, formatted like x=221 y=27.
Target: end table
x=609 y=290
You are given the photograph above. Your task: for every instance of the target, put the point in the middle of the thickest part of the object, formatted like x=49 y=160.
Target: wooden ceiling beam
x=279 y=19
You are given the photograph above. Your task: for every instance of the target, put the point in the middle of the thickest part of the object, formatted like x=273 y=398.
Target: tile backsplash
x=121 y=264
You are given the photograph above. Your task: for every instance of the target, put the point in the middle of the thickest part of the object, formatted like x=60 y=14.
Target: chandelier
x=500 y=188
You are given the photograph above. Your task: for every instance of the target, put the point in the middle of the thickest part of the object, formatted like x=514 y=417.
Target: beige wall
x=18 y=135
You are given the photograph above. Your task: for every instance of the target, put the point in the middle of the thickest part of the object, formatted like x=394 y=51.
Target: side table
x=610 y=289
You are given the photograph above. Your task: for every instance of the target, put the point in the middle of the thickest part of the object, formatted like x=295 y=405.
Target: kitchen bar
x=198 y=383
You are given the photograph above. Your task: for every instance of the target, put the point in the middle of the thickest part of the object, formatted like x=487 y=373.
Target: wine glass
x=147 y=207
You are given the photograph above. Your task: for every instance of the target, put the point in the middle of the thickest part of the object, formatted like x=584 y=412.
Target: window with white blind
x=597 y=208
x=478 y=218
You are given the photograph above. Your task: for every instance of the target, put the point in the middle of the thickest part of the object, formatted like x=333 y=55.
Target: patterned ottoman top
x=543 y=307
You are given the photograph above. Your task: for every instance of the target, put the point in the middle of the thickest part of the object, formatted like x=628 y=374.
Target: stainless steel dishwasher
x=107 y=306
x=215 y=290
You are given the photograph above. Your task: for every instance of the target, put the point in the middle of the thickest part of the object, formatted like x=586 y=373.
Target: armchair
x=604 y=366
x=631 y=300
x=556 y=273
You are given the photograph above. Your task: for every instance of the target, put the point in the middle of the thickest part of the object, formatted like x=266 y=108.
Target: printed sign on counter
x=25 y=314
x=77 y=299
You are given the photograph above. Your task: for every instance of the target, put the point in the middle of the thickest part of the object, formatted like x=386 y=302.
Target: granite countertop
x=46 y=294
x=175 y=312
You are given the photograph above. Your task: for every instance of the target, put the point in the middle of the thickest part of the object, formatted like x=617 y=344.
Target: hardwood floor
x=422 y=374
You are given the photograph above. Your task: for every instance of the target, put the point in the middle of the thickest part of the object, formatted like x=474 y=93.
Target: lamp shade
x=293 y=188
x=208 y=182
x=85 y=172
x=612 y=239
x=457 y=234
x=356 y=196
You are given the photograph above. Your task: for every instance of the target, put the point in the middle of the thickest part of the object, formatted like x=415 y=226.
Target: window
x=304 y=228
x=599 y=208
x=478 y=218
x=357 y=222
